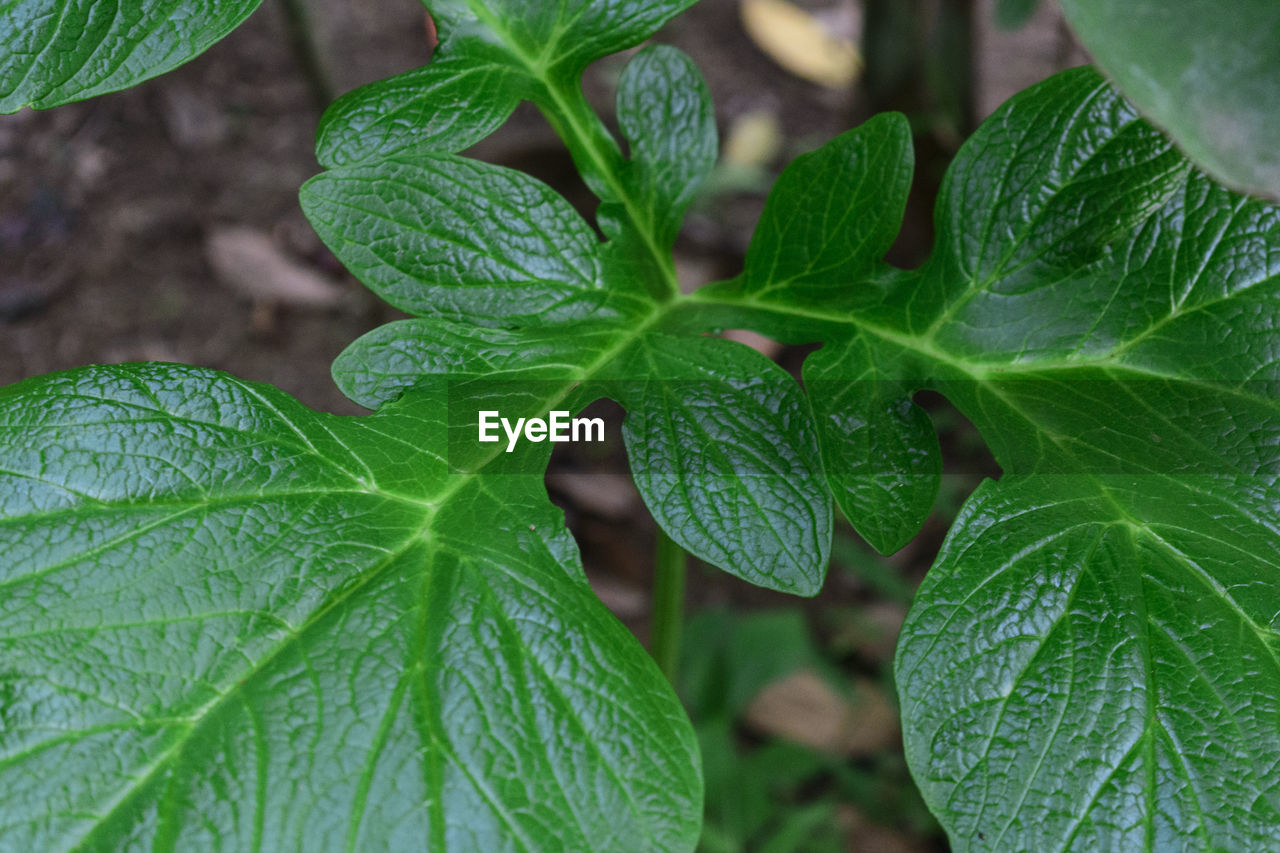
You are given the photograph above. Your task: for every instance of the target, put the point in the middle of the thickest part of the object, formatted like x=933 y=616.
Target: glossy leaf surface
x=1091 y=662
x=57 y=51
x=458 y=238
x=235 y=624
x=468 y=247
x=1207 y=72
x=723 y=450
x=1089 y=665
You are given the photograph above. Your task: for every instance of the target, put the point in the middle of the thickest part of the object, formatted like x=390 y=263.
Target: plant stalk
x=668 y=604
x=306 y=53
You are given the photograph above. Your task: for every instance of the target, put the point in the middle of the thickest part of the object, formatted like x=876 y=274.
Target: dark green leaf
x=665 y=111
x=1091 y=663
x=446 y=106
x=450 y=237
x=235 y=624
x=57 y=51
x=723 y=450
x=1039 y=193
x=831 y=217
x=1205 y=71
x=879 y=448
x=555 y=38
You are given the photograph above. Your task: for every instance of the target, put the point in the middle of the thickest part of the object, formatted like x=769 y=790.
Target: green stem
x=306 y=53
x=594 y=150
x=599 y=160
x=668 y=604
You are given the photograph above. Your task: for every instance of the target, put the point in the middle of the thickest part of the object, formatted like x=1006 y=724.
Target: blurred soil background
x=162 y=223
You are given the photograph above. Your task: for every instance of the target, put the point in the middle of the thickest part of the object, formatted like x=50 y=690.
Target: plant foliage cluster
x=235 y=623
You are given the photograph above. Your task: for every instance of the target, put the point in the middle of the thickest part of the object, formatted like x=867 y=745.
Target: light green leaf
x=235 y=624
x=1207 y=72
x=57 y=51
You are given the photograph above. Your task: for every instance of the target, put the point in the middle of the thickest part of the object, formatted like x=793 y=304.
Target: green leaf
x=722 y=449
x=1090 y=664
x=879 y=449
x=243 y=625
x=384 y=363
x=817 y=252
x=831 y=217
x=58 y=51
x=720 y=439
x=665 y=111
x=447 y=236
x=470 y=246
x=1039 y=193
x=1126 y=554
x=446 y=106
x=1145 y=384
x=557 y=38
x=235 y=624
x=1207 y=72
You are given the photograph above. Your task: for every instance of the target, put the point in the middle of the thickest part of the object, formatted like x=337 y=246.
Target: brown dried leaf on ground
x=247 y=261
x=805 y=709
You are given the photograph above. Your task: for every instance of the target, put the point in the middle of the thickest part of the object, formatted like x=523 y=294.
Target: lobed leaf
x=236 y=624
x=469 y=246
x=1090 y=664
x=1102 y=312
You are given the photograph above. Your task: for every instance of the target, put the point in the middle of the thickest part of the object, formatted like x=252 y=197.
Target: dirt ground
x=107 y=207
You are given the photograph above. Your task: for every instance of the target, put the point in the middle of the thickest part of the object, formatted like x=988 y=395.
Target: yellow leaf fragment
x=800 y=43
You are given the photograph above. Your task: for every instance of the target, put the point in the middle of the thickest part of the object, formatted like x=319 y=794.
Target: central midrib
x=572 y=121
